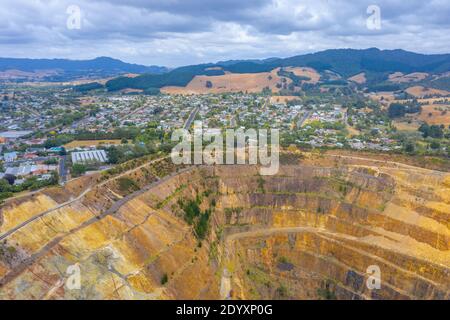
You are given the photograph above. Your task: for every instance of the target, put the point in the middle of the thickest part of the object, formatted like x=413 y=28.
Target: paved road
x=125 y=117
x=303 y=119
x=63 y=169
x=191 y=118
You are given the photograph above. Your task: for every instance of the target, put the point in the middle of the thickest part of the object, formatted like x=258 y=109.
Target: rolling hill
x=377 y=70
x=64 y=69
x=344 y=63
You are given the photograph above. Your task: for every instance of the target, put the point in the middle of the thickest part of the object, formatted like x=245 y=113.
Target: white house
x=10 y=156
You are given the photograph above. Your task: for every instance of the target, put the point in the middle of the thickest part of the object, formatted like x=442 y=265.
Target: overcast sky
x=181 y=32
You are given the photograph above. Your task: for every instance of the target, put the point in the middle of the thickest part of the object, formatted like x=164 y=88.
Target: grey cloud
x=175 y=32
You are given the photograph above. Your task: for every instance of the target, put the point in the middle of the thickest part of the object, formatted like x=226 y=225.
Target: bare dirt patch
x=232 y=82
x=420 y=92
x=405 y=126
x=435 y=114
x=359 y=78
x=130 y=90
x=399 y=77
x=305 y=72
x=89 y=143
x=383 y=97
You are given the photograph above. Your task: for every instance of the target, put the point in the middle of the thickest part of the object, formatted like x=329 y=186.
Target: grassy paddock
x=89 y=143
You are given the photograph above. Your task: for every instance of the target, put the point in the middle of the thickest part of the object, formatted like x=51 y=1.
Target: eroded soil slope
x=309 y=232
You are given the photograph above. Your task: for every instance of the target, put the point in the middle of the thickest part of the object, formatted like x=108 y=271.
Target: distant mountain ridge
x=375 y=63
x=348 y=62
x=258 y=61
x=65 y=69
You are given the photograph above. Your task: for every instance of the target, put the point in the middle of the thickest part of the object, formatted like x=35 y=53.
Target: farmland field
x=435 y=114
x=405 y=126
x=419 y=92
x=231 y=82
x=399 y=77
x=89 y=143
x=282 y=99
x=359 y=78
x=305 y=72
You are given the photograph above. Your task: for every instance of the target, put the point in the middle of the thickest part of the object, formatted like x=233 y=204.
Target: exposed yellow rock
x=309 y=232
x=15 y=215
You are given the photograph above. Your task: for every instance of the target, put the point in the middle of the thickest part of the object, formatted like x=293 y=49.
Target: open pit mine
x=318 y=229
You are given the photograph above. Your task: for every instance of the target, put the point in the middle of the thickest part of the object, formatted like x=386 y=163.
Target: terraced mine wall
x=162 y=232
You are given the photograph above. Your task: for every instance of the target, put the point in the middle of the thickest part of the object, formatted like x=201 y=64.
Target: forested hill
x=64 y=69
x=345 y=62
